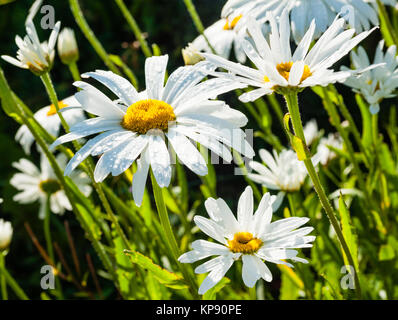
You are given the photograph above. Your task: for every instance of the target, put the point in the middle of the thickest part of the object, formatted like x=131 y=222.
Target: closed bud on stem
x=67 y=46
x=191 y=55
x=5 y=235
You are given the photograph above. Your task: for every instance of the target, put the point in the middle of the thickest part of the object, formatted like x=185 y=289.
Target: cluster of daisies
x=149 y=128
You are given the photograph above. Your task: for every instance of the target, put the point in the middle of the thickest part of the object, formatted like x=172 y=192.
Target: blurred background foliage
x=164 y=22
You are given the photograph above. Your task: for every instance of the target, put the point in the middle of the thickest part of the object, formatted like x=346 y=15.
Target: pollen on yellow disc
x=53 y=110
x=285 y=67
x=244 y=242
x=229 y=25
x=145 y=115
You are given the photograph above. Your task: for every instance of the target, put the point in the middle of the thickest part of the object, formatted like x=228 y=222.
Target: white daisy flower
x=222 y=35
x=67 y=46
x=251 y=237
x=48 y=118
x=283 y=171
x=277 y=68
x=311 y=132
x=36 y=184
x=359 y=13
x=226 y=32
x=324 y=153
x=5 y=234
x=138 y=124
x=32 y=54
x=379 y=83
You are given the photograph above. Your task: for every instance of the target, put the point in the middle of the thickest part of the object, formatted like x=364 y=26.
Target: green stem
x=74 y=70
x=352 y=126
x=197 y=22
x=290 y=197
x=89 y=34
x=47 y=232
x=12 y=283
x=53 y=98
x=386 y=27
x=292 y=104
x=171 y=241
x=134 y=27
x=3 y=283
x=375 y=130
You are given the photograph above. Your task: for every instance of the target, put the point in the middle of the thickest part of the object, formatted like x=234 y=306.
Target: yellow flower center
x=243 y=242
x=145 y=115
x=50 y=186
x=53 y=110
x=285 y=67
x=229 y=25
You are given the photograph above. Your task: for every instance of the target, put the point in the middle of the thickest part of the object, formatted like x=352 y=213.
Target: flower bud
x=191 y=55
x=67 y=46
x=5 y=234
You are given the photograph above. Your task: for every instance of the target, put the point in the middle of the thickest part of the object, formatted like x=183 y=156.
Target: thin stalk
x=292 y=104
x=352 y=126
x=74 y=70
x=134 y=27
x=197 y=22
x=171 y=241
x=53 y=98
x=375 y=129
x=13 y=284
x=3 y=283
x=290 y=198
x=89 y=34
x=47 y=232
x=386 y=27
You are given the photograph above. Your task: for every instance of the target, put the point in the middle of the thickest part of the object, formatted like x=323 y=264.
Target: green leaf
x=348 y=232
x=212 y=293
x=7 y=102
x=124 y=277
x=386 y=252
x=366 y=121
x=165 y=277
x=289 y=290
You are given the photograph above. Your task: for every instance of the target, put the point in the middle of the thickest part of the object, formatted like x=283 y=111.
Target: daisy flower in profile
x=32 y=54
x=324 y=153
x=48 y=118
x=223 y=35
x=226 y=32
x=283 y=171
x=277 y=69
x=251 y=237
x=137 y=125
x=37 y=184
x=379 y=83
x=5 y=234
